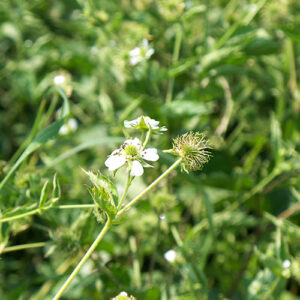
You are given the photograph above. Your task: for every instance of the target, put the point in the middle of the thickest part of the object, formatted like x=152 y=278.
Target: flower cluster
x=69 y=127
x=138 y=54
x=63 y=79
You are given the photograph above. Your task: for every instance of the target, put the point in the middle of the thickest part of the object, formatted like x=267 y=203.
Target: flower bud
x=63 y=79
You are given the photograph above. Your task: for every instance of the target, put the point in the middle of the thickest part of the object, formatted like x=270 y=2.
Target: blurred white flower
x=131 y=152
x=59 y=80
x=170 y=255
x=139 y=54
x=286 y=264
x=144 y=123
x=162 y=217
x=69 y=127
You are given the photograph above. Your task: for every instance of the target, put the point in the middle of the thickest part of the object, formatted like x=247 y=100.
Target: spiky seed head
x=193 y=148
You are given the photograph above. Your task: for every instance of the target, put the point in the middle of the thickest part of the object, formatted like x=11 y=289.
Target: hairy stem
x=40 y=210
x=147 y=138
x=22 y=247
x=84 y=259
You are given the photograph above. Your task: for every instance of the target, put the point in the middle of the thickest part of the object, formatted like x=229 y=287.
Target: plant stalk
x=22 y=247
x=84 y=259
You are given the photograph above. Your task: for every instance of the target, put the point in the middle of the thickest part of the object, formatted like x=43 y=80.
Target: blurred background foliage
x=226 y=68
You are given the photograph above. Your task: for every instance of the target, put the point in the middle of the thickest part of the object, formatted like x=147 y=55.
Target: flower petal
x=115 y=161
x=149 y=53
x=136 y=169
x=130 y=124
x=134 y=60
x=150 y=154
x=135 y=142
x=135 y=52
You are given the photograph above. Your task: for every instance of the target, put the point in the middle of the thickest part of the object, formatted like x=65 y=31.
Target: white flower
x=131 y=152
x=139 y=54
x=59 y=80
x=286 y=264
x=162 y=217
x=144 y=123
x=71 y=126
x=170 y=255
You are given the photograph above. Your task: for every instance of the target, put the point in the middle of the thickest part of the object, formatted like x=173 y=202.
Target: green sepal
x=104 y=193
x=56 y=192
x=43 y=196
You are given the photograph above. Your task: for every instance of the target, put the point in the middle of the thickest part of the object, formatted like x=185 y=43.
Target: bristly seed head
x=193 y=148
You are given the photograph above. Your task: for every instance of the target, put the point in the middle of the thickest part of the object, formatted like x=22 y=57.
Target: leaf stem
x=22 y=247
x=84 y=259
x=29 y=213
x=74 y=206
x=147 y=138
x=38 y=210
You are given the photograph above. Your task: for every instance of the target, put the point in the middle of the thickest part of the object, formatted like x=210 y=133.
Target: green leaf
x=262 y=46
x=42 y=137
x=276 y=138
x=107 y=106
x=264 y=285
x=193 y=12
x=186 y=108
x=209 y=212
x=270 y=262
x=56 y=192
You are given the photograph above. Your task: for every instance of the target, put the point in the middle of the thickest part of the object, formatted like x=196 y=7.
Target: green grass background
x=226 y=68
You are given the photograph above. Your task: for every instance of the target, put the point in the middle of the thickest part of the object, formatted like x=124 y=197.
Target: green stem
x=178 y=40
x=22 y=247
x=51 y=108
x=125 y=191
x=38 y=210
x=147 y=138
x=153 y=184
x=107 y=225
x=29 y=213
x=74 y=206
x=84 y=259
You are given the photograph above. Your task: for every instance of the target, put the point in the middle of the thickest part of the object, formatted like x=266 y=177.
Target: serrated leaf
x=102 y=182
x=104 y=193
